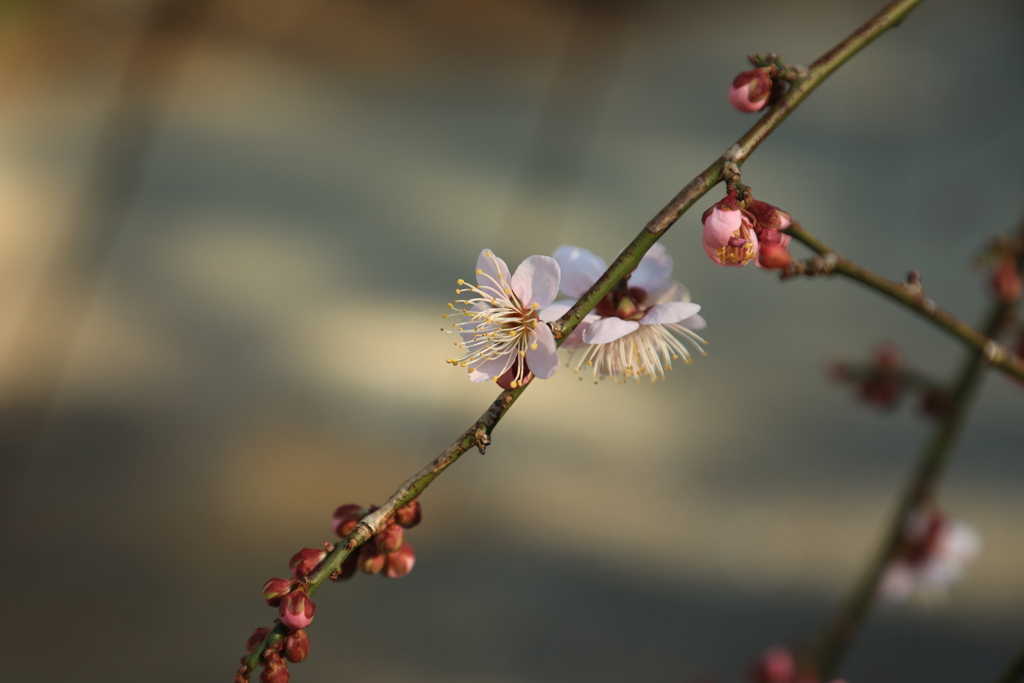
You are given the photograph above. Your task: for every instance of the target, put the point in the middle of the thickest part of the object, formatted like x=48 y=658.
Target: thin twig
x=836 y=640
x=624 y=264
x=909 y=294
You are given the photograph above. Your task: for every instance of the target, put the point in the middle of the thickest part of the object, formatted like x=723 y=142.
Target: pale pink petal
x=675 y=292
x=555 y=310
x=654 y=274
x=720 y=225
x=489 y=369
x=542 y=353
x=536 y=281
x=960 y=542
x=672 y=312
x=694 y=322
x=609 y=329
x=898 y=583
x=580 y=269
x=492 y=273
x=575 y=339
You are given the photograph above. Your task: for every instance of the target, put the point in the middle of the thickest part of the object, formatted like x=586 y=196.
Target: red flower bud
x=275 y=670
x=256 y=638
x=1006 y=282
x=390 y=538
x=242 y=675
x=275 y=589
x=729 y=238
x=888 y=357
x=775 y=665
x=306 y=560
x=371 y=560
x=773 y=256
x=750 y=90
x=409 y=515
x=769 y=217
x=297 y=610
x=400 y=562
x=296 y=646
x=346 y=518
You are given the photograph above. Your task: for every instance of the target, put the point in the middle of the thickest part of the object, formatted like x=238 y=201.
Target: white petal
x=608 y=329
x=672 y=312
x=674 y=292
x=694 y=322
x=555 y=310
x=961 y=542
x=898 y=583
x=575 y=340
x=580 y=269
x=492 y=272
x=654 y=274
x=536 y=281
x=490 y=369
x=543 y=360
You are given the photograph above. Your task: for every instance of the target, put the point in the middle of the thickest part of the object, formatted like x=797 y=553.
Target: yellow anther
x=460 y=281
x=479 y=271
x=508 y=291
x=522 y=354
x=463 y=363
x=451 y=305
x=533 y=346
x=535 y=305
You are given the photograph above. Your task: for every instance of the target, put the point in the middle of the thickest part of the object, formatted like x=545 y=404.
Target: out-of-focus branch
x=832 y=647
x=910 y=294
x=1014 y=673
x=478 y=434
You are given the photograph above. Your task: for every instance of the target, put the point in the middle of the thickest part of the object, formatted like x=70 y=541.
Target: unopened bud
x=275 y=589
x=888 y=357
x=409 y=515
x=243 y=673
x=256 y=638
x=400 y=562
x=1006 y=282
x=275 y=670
x=306 y=560
x=729 y=238
x=773 y=256
x=775 y=665
x=769 y=217
x=346 y=518
x=371 y=560
x=750 y=90
x=297 y=610
x=296 y=646
x=390 y=538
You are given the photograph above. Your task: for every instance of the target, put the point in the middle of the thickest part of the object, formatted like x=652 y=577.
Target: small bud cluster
x=885 y=380
x=740 y=229
x=1001 y=258
x=387 y=554
x=763 y=85
x=777 y=664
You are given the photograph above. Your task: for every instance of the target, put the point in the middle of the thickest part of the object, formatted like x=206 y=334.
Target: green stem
x=479 y=432
x=911 y=296
x=837 y=638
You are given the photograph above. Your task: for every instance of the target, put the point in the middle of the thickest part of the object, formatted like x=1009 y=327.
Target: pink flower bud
x=243 y=673
x=275 y=670
x=769 y=217
x=400 y=562
x=346 y=518
x=275 y=589
x=296 y=646
x=1006 y=282
x=256 y=638
x=371 y=560
x=297 y=610
x=729 y=238
x=750 y=90
x=773 y=257
x=390 y=538
x=409 y=515
x=306 y=560
x=775 y=665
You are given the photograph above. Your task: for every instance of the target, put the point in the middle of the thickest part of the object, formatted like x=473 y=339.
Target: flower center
x=623 y=303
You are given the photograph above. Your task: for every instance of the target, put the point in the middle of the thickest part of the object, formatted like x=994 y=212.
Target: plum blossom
x=635 y=330
x=503 y=337
x=931 y=558
x=729 y=237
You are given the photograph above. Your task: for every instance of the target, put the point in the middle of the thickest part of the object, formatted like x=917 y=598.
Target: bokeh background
x=228 y=229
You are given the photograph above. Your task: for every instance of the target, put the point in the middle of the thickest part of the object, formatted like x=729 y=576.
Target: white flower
x=637 y=329
x=932 y=557
x=503 y=337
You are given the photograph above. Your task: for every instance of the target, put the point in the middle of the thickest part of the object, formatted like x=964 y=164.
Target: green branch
x=478 y=434
x=909 y=294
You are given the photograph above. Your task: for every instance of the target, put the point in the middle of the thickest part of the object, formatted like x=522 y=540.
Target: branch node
x=830 y=261
x=731 y=171
x=482 y=439
x=992 y=352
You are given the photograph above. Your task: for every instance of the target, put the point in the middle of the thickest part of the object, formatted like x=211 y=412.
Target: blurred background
x=228 y=229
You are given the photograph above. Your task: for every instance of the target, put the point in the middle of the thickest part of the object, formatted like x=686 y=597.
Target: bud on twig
x=1006 y=282
x=750 y=90
x=297 y=610
x=409 y=515
x=296 y=646
x=256 y=638
x=400 y=562
x=346 y=518
x=371 y=560
x=775 y=665
x=390 y=537
x=275 y=670
x=306 y=560
x=275 y=589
